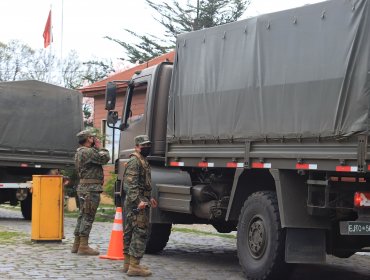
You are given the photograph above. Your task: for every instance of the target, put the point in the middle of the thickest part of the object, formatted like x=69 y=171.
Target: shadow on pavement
x=354 y=268
x=328 y=271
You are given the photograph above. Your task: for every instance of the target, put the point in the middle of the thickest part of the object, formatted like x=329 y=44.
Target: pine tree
x=177 y=19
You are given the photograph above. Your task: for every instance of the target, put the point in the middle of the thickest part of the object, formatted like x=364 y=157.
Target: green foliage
x=148 y=47
x=7 y=237
x=105 y=213
x=109 y=185
x=87 y=110
x=98 y=134
x=177 y=19
x=70 y=188
x=205 y=13
x=97 y=70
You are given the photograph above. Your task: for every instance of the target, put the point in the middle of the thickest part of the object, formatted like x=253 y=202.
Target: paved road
x=187 y=256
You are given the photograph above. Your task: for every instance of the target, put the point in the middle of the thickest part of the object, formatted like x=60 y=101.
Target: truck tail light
x=361 y=199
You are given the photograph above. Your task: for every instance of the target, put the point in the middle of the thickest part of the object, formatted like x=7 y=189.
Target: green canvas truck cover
x=37 y=118
x=303 y=72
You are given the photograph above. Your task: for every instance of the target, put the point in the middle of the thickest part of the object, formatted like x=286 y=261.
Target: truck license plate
x=355 y=228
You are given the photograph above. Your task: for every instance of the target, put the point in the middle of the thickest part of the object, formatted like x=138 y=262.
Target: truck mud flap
x=305 y=246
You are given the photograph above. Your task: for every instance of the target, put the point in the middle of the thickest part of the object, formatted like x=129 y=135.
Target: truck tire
x=26 y=207
x=260 y=238
x=158 y=237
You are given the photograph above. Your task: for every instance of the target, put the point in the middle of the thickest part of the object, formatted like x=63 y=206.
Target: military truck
x=261 y=126
x=38 y=124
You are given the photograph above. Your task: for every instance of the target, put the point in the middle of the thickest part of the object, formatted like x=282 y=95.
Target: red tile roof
x=98 y=88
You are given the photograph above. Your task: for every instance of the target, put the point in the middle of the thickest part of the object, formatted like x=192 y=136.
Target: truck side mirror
x=112 y=118
x=110 y=96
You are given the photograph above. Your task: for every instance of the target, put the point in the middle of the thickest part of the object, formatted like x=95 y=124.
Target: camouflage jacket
x=137 y=181
x=89 y=165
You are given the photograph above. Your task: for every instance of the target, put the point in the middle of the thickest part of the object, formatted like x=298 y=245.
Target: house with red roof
x=97 y=90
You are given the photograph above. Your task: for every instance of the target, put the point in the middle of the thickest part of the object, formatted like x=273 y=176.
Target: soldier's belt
x=147 y=193
x=90 y=181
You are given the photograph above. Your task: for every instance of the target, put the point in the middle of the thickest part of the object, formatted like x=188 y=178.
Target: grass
x=194 y=231
x=10 y=207
x=105 y=213
x=11 y=236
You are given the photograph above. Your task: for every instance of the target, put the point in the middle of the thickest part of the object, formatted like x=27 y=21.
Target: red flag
x=47 y=32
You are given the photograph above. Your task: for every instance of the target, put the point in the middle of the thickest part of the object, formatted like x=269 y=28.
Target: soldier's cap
x=82 y=135
x=142 y=140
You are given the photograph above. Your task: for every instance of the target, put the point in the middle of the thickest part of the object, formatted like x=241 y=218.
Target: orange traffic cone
x=115 y=249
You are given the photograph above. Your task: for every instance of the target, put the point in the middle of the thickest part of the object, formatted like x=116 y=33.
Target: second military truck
x=262 y=126
x=38 y=124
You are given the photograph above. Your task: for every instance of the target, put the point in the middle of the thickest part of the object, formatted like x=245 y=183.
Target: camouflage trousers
x=89 y=202
x=136 y=230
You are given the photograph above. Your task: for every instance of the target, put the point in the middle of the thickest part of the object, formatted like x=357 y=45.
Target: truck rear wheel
x=158 y=237
x=26 y=207
x=260 y=239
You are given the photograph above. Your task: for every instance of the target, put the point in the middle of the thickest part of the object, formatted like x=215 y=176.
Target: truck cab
x=149 y=88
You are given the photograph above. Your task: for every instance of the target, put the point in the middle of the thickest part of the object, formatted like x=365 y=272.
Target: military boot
x=75 y=245
x=84 y=248
x=135 y=269
x=126 y=264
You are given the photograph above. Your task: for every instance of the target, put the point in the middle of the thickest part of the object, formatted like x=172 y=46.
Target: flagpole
x=48 y=38
x=61 y=35
x=51 y=41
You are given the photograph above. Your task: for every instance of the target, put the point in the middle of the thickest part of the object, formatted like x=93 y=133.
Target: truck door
x=134 y=114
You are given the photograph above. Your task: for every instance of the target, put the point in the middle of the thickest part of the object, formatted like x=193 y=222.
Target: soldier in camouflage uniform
x=137 y=189
x=89 y=159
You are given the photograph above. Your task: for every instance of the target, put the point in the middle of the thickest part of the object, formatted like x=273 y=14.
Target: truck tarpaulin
x=39 y=116
x=303 y=72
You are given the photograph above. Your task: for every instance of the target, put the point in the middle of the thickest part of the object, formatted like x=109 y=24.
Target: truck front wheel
x=26 y=207
x=260 y=239
x=158 y=237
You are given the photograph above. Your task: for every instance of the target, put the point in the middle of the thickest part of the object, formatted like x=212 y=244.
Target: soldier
x=137 y=189
x=89 y=159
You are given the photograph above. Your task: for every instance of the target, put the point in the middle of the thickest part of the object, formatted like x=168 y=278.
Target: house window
x=111 y=142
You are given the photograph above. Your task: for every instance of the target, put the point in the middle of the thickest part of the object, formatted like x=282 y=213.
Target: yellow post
x=47 y=208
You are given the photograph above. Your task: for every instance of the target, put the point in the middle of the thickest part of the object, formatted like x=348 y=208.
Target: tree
x=19 y=62
x=96 y=70
x=87 y=110
x=40 y=67
x=14 y=60
x=177 y=19
x=76 y=74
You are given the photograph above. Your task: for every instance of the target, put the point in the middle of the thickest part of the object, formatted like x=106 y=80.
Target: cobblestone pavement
x=187 y=256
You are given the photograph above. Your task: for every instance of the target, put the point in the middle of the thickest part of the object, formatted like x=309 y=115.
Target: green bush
x=70 y=188
x=109 y=185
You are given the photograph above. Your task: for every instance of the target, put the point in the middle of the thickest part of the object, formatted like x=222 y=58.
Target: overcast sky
x=86 y=22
